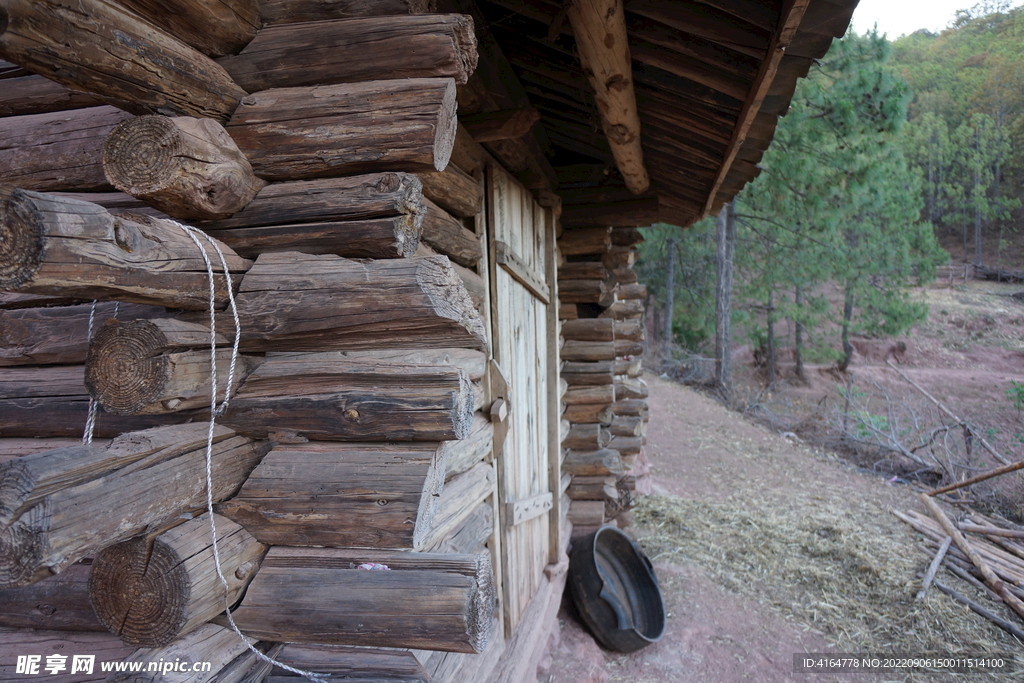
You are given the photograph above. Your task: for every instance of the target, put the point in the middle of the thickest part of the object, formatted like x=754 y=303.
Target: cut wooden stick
x=1012 y=467
x=991 y=530
x=933 y=567
x=987 y=446
x=998 y=621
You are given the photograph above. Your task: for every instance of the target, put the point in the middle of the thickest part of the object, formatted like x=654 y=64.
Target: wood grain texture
x=505 y=124
x=37 y=95
x=296 y=302
x=585 y=241
x=356 y=49
x=73 y=522
x=292 y=11
x=453 y=190
x=209 y=643
x=60 y=150
x=427 y=600
x=100 y=47
x=460 y=495
x=53 y=245
x=150 y=591
x=186 y=167
x=58 y=334
x=214 y=28
x=353 y=400
x=59 y=603
x=356 y=664
x=321 y=131
x=587 y=413
x=448 y=236
x=379 y=495
x=595 y=462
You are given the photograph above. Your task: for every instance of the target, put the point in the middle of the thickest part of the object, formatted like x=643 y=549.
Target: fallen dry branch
x=1006 y=469
x=998 y=621
x=933 y=568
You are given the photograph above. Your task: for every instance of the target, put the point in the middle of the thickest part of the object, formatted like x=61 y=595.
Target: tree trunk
x=296 y=302
x=426 y=600
x=406 y=125
x=770 y=368
x=667 y=335
x=58 y=150
x=847 y=318
x=151 y=591
x=114 y=53
x=73 y=521
x=53 y=245
x=188 y=168
x=798 y=348
x=355 y=50
x=723 y=298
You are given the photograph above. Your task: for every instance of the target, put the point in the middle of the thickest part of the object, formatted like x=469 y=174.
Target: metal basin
x=615 y=590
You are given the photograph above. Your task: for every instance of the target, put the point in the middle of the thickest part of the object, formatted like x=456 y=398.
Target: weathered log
x=473 y=363
x=600 y=30
x=454 y=191
x=601 y=367
x=60 y=334
x=585 y=242
x=626 y=237
x=595 y=462
x=629 y=387
x=19 y=447
x=582 y=270
x=625 y=276
x=186 y=167
x=593 y=488
x=297 y=302
x=150 y=367
x=115 y=202
x=630 y=367
x=150 y=591
x=427 y=600
x=630 y=406
x=619 y=257
x=625 y=348
x=474 y=284
x=53 y=401
x=106 y=646
x=626 y=445
x=73 y=522
x=587 y=351
x=356 y=49
x=356 y=664
x=294 y=11
x=466 y=453
x=363 y=495
x=586 y=513
x=506 y=124
x=604 y=394
x=567 y=311
x=471 y=535
x=406 y=125
x=391 y=237
x=247 y=667
x=467 y=153
x=448 y=236
x=624 y=310
x=353 y=400
x=586 y=437
x=600 y=292
x=632 y=330
x=57 y=151
x=590 y=379
x=123 y=59
x=461 y=494
x=210 y=644
x=59 y=603
x=588 y=413
x=214 y=28
x=54 y=245
x=627 y=425
x=38 y=95
x=632 y=291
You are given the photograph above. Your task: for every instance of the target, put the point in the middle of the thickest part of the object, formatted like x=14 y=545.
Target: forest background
x=895 y=158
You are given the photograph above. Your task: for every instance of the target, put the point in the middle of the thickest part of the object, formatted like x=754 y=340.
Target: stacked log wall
x=291 y=203
x=605 y=410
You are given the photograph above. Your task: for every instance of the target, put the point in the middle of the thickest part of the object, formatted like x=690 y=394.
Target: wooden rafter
x=789 y=22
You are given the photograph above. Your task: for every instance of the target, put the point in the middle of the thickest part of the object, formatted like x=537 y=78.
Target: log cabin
x=424 y=213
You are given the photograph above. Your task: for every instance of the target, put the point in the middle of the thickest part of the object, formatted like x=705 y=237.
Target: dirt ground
x=766 y=548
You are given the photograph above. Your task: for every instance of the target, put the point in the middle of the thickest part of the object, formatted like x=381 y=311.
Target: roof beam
x=600 y=30
x=789 y=22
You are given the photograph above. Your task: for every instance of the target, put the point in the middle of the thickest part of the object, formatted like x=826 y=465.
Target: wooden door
x=520 y=249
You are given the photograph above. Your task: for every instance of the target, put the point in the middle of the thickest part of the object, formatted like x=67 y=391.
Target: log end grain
x=21 y=549
x=124 y=370
x=21 y=237
x=448 y=296
x=186 y=167
x=447 y=127
x=481 y=613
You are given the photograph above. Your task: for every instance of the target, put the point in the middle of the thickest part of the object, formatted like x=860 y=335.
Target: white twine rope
x=216 y=411
x=90 y=421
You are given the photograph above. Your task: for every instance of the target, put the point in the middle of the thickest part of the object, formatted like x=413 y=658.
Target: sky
x=899 y=17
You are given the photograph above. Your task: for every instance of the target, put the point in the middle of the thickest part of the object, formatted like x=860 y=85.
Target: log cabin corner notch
x=431 y=245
